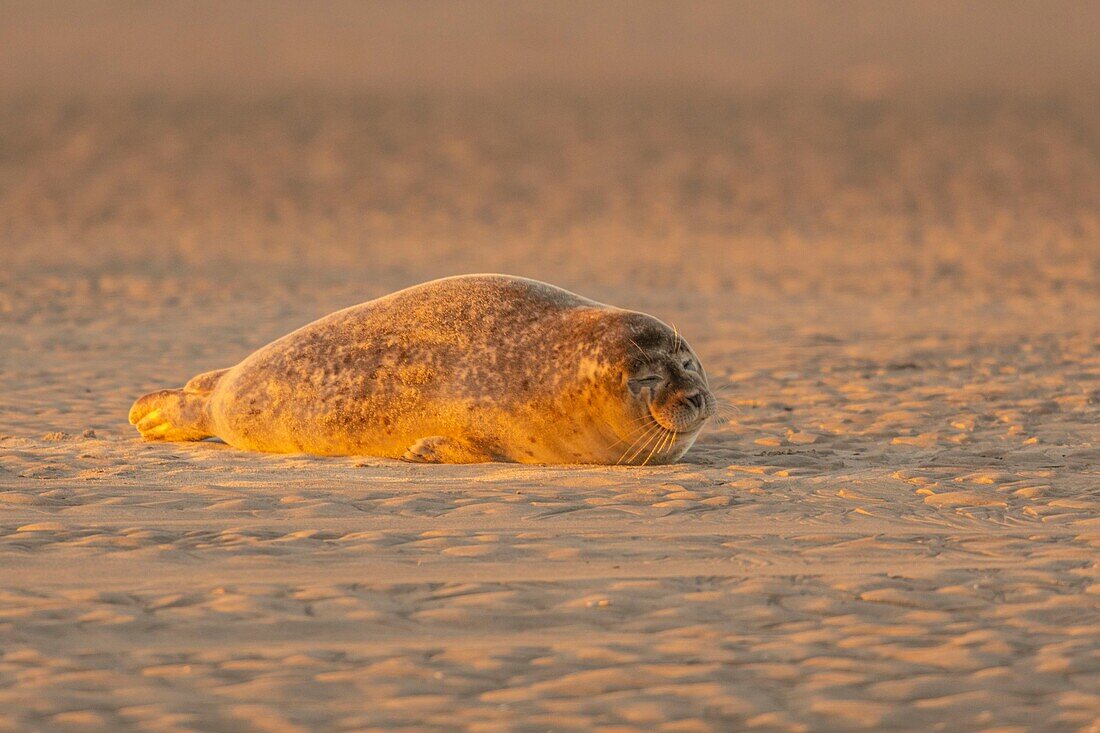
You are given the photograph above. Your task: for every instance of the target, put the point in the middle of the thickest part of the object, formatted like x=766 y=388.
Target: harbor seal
x=466 y=369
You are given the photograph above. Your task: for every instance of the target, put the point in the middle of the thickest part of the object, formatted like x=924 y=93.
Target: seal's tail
x=176 y=414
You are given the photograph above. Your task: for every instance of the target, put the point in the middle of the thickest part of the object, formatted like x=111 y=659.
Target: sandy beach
x=898 y=530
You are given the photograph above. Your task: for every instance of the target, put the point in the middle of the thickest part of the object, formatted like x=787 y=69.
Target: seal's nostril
x=697 y=400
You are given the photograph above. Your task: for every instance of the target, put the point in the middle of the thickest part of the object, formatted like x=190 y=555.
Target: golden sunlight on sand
x=898 y=529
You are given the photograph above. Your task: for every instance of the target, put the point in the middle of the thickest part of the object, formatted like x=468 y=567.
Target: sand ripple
x=898 y=528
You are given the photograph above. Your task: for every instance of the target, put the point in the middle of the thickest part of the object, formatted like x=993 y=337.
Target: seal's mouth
x=685 y=414
x=664 y=430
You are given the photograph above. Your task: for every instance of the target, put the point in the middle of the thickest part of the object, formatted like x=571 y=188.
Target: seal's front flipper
x=440 y=449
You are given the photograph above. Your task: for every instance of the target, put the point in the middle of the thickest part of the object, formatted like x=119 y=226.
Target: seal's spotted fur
x=465 y=369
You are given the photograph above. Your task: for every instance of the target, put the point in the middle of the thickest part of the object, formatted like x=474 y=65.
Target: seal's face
x=673 y=388
x=667 y=389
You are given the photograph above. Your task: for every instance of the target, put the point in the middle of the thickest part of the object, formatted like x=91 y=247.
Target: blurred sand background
x=877 y=222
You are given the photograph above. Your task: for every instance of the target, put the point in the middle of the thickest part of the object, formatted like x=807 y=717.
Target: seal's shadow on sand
x=716 y=450
x=724 y=450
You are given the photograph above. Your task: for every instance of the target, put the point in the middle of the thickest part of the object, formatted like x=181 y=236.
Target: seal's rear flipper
x=171 y=414
x=177 y=414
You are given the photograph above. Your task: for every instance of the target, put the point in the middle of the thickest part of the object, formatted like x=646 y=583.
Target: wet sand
x=898 y=530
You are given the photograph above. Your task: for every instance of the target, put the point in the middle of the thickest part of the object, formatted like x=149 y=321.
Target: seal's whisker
x=620 y=440
x=637 y=427
x=666 y=442
x=650 y=436
x=636 y=441
x=677 y=340
x=624 y=459
x=671 y=440
x=723 y=403
x=638 y=422
x=646 y=420
x=658 y=439
x=647 y=357
x=634 y=453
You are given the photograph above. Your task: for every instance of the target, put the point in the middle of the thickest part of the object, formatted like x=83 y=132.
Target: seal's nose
x=697 y=400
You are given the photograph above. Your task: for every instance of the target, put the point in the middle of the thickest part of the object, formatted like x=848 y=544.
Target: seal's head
x=665 y=392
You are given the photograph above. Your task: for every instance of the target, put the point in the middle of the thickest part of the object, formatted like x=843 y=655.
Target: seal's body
x=460 y=370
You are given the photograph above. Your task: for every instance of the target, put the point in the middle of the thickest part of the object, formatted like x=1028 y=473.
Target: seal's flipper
x=171 y=414
x=440 y=449
x=204 y=383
